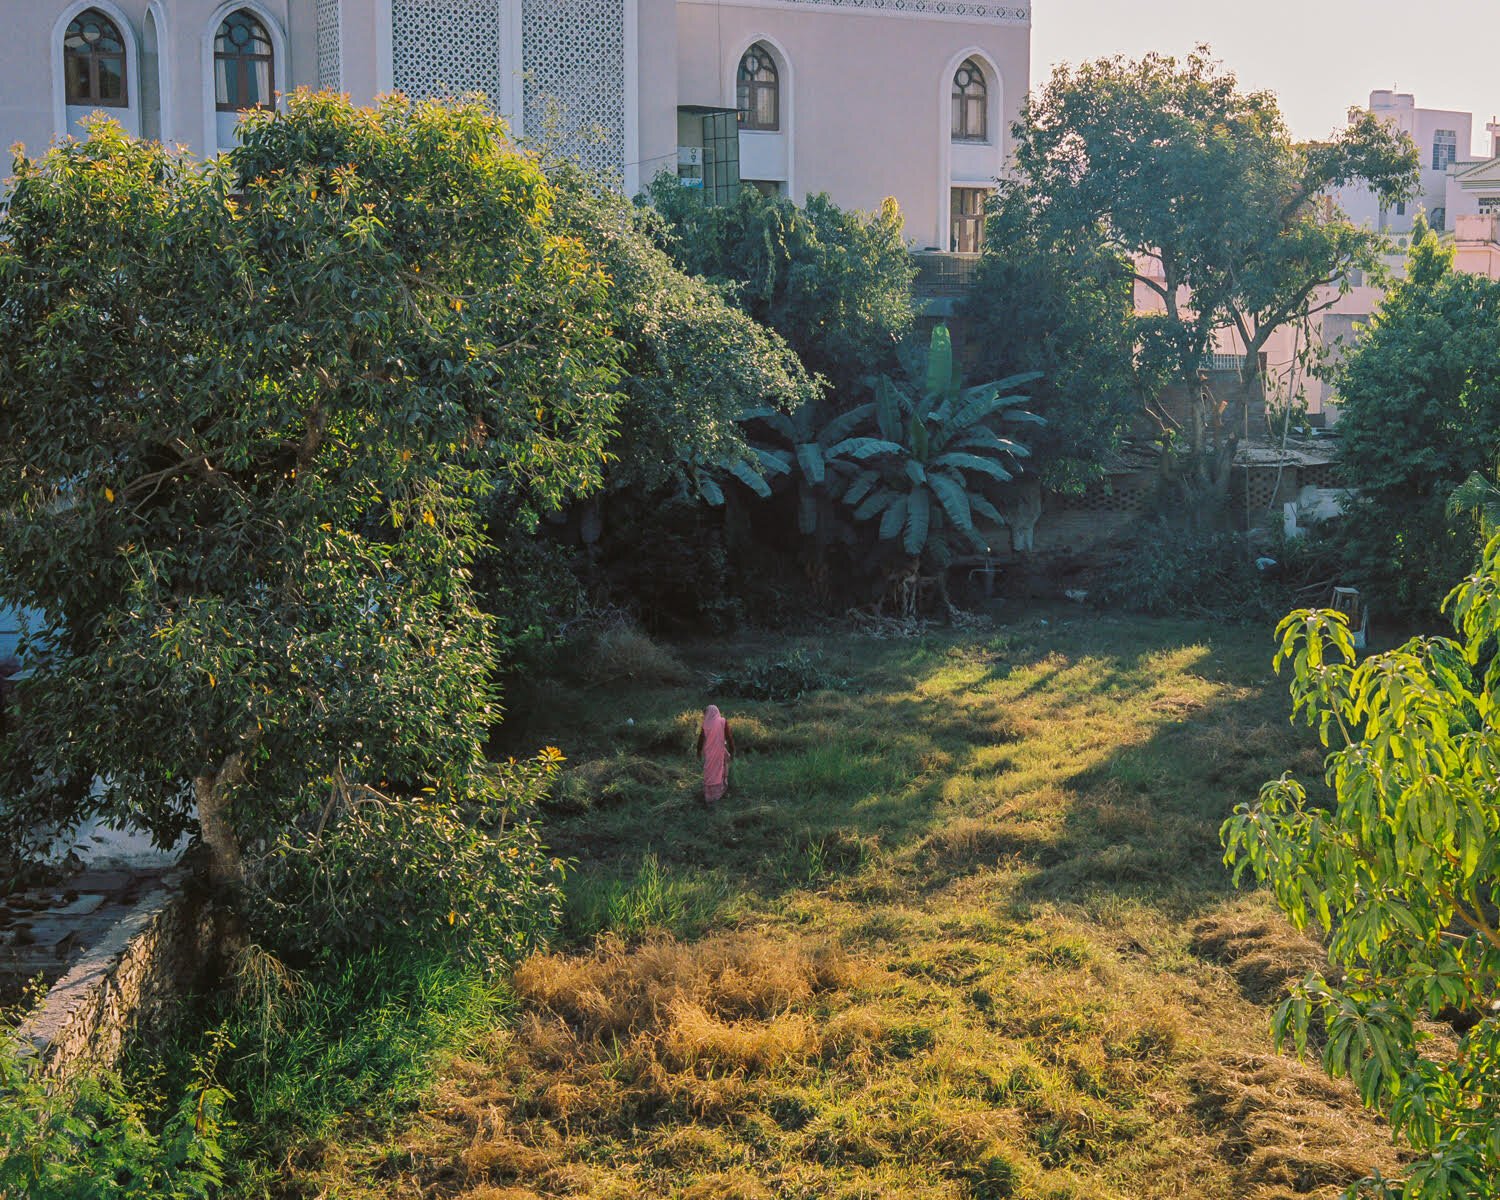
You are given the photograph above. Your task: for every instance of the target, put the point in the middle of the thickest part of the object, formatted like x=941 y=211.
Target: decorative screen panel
x=970 y=10
x=574 y=52
x=443 y=48
x=329 y=76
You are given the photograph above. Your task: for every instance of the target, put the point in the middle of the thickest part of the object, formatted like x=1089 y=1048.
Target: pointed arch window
x=759 y=90
x=244 y=64
x=94 y=61
x=971 y=103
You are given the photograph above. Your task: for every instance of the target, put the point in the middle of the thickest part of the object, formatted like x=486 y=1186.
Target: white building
x=863 y=99
x=1442 y=137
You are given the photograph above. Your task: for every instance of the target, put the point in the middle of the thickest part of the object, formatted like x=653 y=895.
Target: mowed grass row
x=960 y=929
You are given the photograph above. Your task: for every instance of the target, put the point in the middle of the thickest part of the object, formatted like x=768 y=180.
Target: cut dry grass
x=959 y=933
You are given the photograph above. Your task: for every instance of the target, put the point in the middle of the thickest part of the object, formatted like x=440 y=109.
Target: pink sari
x=715 y=754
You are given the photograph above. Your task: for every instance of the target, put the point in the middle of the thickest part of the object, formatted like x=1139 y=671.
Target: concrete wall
x=126 y=984
x=866 y=108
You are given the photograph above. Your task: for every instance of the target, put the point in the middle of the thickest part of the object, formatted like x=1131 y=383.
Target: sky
x=1319 y=56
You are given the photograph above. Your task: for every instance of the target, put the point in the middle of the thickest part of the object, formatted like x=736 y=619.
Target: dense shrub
x=835 y=284
x=786 y=678
x=465 y=872
x=94 y=1137
x=1419 y=415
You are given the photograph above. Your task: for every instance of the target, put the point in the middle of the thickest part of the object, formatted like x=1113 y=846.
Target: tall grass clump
x=650 y=899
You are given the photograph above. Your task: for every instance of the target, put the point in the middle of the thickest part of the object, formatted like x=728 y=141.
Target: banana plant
x=819 y=454
x=942 y=452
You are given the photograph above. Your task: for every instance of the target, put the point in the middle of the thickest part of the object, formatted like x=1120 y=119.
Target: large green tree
x=246 y=411
x=1199 y=186
x=1057 y=301
x=1419 y=415
x=835 y=284
x=1399 y=873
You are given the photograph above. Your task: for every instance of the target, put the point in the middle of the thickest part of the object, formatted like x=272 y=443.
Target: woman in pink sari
x=715 y=748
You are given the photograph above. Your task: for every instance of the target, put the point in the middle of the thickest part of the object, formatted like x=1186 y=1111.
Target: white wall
x=865 y=98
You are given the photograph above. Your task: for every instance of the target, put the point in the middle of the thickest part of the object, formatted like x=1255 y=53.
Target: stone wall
x=127 y=982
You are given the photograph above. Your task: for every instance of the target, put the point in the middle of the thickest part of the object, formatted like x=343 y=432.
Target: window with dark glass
x=759 y=90
x=244 y=64
x=966 y=235
x=94 y=61
x=971 y=104
x=1444 y=149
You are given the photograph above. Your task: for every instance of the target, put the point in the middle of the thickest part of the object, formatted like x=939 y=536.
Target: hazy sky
x=1319 y=56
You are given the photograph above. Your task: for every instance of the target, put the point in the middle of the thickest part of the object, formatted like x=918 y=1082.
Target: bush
x=1169 y=571
x=465 y=874
x=623 y=652
x=92 y=1137
x=784 y=679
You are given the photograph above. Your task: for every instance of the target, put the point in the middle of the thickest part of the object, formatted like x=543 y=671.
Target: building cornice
x=946 y=10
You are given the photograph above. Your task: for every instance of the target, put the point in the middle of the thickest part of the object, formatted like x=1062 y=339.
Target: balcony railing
x=940 y=274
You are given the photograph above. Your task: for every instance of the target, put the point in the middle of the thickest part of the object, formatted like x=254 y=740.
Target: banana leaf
x=862 y=448
x=984 y=510
x=811 y=457
x=751 y=478
x=973 y=462
x=864 y=483
x=918 y=519
x=954 y=497
x=874 y=503
x=895 y=518
x=844 y=425
x=775 y=418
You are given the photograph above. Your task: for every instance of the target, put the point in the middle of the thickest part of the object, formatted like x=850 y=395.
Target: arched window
x=971 y=104
x=244 y=64
x=94 y=61
x=759 y=90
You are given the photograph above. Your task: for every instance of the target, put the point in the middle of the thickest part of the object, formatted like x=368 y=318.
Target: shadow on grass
x=1091 y=756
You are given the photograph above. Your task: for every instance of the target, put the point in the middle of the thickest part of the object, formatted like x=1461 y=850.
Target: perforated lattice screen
x=445 y=47
x=329 y=76
x=1131 y=494
x=1260 y=492
x=1320 y=475
x=574 y=52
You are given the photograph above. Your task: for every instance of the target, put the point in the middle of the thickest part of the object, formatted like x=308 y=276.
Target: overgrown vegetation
x=959 y=931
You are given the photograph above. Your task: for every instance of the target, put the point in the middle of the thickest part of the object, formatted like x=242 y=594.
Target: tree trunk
x=226 y=867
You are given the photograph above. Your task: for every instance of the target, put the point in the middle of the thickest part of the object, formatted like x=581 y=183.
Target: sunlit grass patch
x=958 y=932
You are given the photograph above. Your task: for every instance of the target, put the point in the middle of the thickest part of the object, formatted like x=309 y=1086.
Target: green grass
x=959 y=930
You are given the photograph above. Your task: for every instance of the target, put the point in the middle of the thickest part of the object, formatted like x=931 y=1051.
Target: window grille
x=574 y=52
x=758 y=90
x=971 y=104
x=1444 y=149
x=94 y=61
x=443 y=48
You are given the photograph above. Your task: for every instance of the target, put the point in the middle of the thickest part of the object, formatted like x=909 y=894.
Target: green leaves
x=277 y=419
x=1398 y=873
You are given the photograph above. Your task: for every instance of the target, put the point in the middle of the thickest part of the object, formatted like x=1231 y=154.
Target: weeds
x=784 y=679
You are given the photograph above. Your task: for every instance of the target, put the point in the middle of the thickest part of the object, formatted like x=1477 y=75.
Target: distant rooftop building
x=1442 y=137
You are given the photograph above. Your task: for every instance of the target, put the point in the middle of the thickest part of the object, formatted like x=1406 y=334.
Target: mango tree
x=1398 y=871
x=247 y=409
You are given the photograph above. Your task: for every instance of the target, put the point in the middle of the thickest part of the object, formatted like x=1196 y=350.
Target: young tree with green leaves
x=1399 y=873
x=1172 y=164
x=1418 y=418
x=247 y=411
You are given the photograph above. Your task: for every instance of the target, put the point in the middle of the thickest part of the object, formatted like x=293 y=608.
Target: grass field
x=960 y=929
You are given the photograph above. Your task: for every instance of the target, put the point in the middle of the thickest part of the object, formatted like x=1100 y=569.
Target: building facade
x=1442 y=137
x=862 y=99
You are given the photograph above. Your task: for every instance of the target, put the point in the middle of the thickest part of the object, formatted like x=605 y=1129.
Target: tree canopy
x=247 y=409
x=1418 y=417
x=1180 y=170
x=835 y=284
x=1059 y=302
